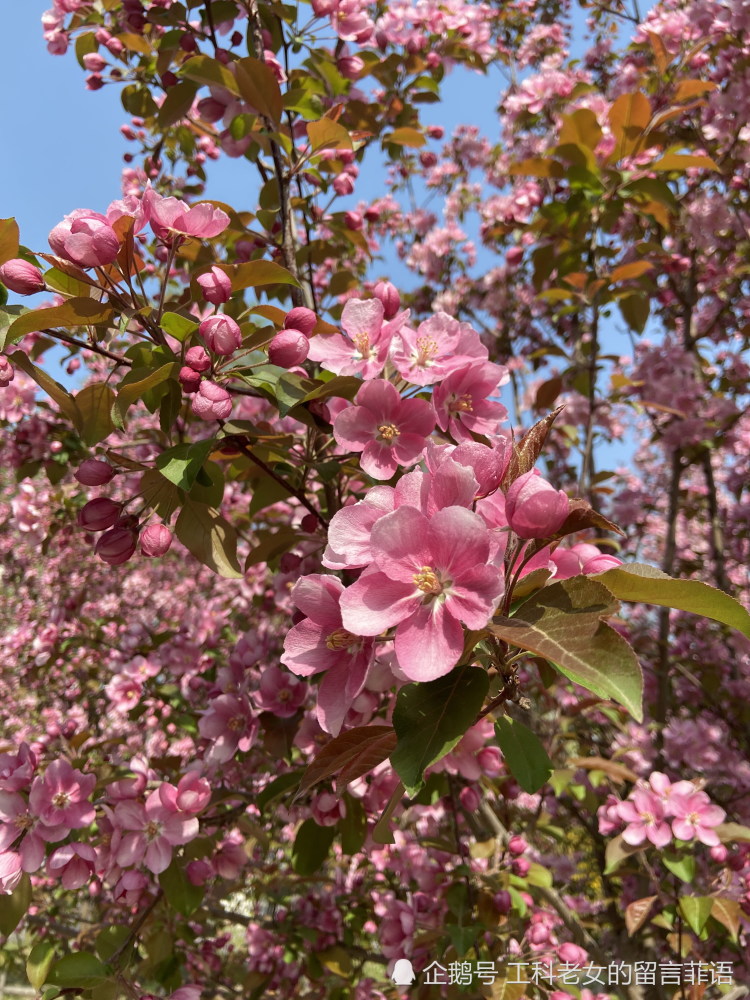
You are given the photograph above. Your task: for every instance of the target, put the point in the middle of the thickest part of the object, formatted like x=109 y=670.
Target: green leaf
x=75 y=312
x=111 y=940
x=54 y=390
x=431 y=718
x=181 y=464
x=129 y=392
x=67 y=284
x=259 y=87
x=82 y=970
x=39 y=962
x=681 y=865
x=729 y=832
x=617 y=851
x=177 y=103
x=327 y=134
x=95 y=403
x=405 y=137
x=161 y=496
x=179 y=327
x=210 y=538
x=353 y=826
x=696 y=910
x=15 y=906
x=205 y=70
x=311 y=847
x=8 y=240
x=278 y=787
x=208 y=487
x=563 y=623
x=255 y=273
x=635 y=309
x=525 y=756
x=639 y=582
x=343 y=386
x=179 y=891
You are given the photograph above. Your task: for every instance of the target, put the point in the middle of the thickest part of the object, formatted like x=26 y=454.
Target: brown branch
x=65 y=338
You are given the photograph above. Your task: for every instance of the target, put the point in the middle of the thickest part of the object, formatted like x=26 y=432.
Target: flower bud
x=211 y=402
x=288 y=348
x=221 y=334
x=302 y=319
x=116 y=546
x=343 y=184
x=600 y=564
x=503 y=901
x=435 y=131
x=21 y=277
x=215 y=285
x=7 y=372
x=190 y=379
x=197 y=358
x=517 y=845
x=353 y=220
x=534 y=508
x=94 y=63
x=99 y=514
x=572 y=953
x=389 y=296
x=94 y=472
x=155 y=540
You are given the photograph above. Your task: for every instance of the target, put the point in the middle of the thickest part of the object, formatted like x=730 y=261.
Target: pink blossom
x=644 y=814
x=279 y=692
x=86 y=238
x=124 y=692
x=156 y=540
x=302 y=319
x=429 y=575
x=440 y=345
x=10 y=872
x=198 y=359
x=230 y=724
x=73 y=864
x=534 y=508
x=191 y=796
x=462 y=402
x=321 y=642
x=695 y=817
x=151 y=832
x=216 y=285
x=60 y=796
x=7 y=372
x=388 y=430
x=211 y=402
x=170 y=218
x=221 y=334
x=21 y=277
x=17 y=820
x=364 y=349
x=288 y=348
x=389 y=296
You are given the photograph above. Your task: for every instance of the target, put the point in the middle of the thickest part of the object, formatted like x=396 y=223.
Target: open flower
x=462 y=402
x=170 y=218
x=440 y=345
x=363 y=348
x=644 y=814
x=430 y=574
x=695 y=817
x=388 y=430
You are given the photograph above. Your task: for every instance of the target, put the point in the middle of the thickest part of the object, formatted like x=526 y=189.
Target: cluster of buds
x=291 y=345
x=120 y=530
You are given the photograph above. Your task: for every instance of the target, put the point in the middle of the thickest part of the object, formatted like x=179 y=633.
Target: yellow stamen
x=388 y=432
x=427 y=581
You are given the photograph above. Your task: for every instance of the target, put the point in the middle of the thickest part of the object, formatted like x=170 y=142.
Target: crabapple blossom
x=534 y=508
x=388 y=430
x=189 y=379
x=73 y=864
x=695 y=817
x=11 y=872
x=288 y=348
x=221 y=334
x=86 y=238
x=301 y=318
x=94 y=472
x=462 y=402
x=59 y=797
x=230 y=725
x=191 y=796
x=211 y=402
x=429 y=575
x=7 y=372
x=150 y=831
x=216 y=285
x=21 y=277
x=172 y=219
x=389 y=296
x=645 y=817
x=198 y=359
x=440 y=345
x=155 y=540
x=363 y=348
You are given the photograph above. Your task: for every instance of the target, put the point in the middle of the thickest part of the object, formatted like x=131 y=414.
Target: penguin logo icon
x=403 y=973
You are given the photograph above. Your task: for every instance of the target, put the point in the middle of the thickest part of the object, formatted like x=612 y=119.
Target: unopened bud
x=94 y=472
x=288 y=348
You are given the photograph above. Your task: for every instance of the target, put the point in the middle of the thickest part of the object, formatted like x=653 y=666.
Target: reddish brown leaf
x=637 y=912
x=346 y=750
x=527 y=451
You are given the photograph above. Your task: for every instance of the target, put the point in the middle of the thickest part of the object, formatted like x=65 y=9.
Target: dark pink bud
x=7 y=372
x=155 y=540
x=93 y=62
x=115 y=46
x=169 y=79
x=435 y=131
x=190 y=379
x=343 y=184
x=514 y=256
x=116 y=546
x=389 y=296
x=503 y=901
x=288 y=348
x=221 y=334
x=94 y=472
x=21 y=277
x=302 y=319
x=94 y=82
x=520 y=867
x=309 y=524
x=517 y=845
x=98 y=514
x=211 y=402
x=353 y=220
x=350 y=66
x=534 y=508
x=428 y=159
x=215 y=285
x=198 y=359
x=188 y=42
x=320 y=409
